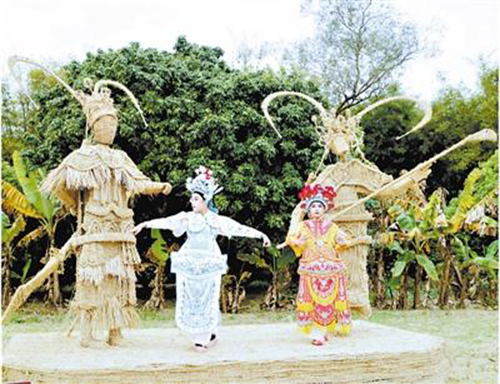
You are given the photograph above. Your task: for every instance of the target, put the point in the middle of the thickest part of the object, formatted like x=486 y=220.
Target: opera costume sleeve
x=229 y=228
x=178 y=224
x=297 y=240
x=342 y=239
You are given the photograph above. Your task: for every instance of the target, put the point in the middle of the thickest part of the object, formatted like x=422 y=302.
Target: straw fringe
x=93 y=178
x=93 y=167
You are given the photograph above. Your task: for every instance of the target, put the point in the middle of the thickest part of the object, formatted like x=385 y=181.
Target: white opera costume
x=199 y=264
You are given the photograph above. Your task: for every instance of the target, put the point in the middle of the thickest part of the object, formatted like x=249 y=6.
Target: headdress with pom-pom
x=204 y=183
x=317 y=193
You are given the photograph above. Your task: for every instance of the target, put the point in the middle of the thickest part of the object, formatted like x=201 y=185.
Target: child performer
x=322 y=306
x=199 y=264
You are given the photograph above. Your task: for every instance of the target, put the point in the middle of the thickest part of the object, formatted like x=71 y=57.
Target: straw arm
x=485 y=134
x=24 y=291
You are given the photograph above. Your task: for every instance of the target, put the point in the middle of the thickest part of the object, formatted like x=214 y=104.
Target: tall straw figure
x=95 y=183
x=352 y=176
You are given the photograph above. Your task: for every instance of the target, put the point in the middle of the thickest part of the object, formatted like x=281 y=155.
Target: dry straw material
x=246 y=353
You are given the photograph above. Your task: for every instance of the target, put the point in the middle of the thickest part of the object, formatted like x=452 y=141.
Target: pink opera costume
x=322 y=302
x=199 y=264
x=95 y=182
x=353 y=176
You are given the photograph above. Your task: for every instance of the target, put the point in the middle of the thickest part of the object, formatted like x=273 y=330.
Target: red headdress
x=317 y=193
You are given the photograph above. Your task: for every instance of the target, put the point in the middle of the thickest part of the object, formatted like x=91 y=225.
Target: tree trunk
x=403 y=291
x=380 y=288
x=444 y=283
x=271 y=297
x=223 y=299
x=157 y=299
x=54 y=287
x=6 y=290
x=418 y=278
x=463 y=291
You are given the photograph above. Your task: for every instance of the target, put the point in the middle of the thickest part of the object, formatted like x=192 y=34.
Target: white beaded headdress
x=204 y=183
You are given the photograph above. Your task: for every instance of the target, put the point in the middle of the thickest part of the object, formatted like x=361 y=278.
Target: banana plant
x=233 y=290
x=159 y=253
x=31 y=202
x=413 y=231
x=472 y=212
x=433 y=229
x=471 y=267
x=9 y=233
x=479 y=197
x=277 y=264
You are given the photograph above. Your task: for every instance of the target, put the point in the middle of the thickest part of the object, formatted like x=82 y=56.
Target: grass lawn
x=471 y=335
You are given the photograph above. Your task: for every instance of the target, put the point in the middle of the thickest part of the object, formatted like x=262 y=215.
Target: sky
x=56 y=31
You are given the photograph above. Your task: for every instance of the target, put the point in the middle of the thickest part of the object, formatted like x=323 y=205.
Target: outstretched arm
x=229 y=227
x=177 y=224
x=148 y=187
x=296 y=241
x=155 y=187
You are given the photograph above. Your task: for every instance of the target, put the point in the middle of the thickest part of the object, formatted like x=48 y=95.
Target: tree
x=358 y=49
x=199 y=111
x=32 y=203
x=14 y=114
x=438 y=239
x=456 y=114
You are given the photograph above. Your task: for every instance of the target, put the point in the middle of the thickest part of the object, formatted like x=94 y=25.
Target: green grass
x=471 y=338
x=471 y=335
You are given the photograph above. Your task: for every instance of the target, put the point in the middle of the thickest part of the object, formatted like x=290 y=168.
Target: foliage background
x=202 y=111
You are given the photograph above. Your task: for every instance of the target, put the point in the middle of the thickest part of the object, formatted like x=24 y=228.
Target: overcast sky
x=56 y=31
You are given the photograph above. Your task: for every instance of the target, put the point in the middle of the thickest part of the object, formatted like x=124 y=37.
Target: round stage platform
x=245 y=353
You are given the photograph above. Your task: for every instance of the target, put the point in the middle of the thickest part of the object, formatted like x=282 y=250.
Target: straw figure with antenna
x=357 y=180
x=95 y=183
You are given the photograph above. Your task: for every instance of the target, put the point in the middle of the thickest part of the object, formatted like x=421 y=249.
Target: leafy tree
x=381 y=128
x=14 y=113
x=357 y=50
x=199 y=111
x=455 y=116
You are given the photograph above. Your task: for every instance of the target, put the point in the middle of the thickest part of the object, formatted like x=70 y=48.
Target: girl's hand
x=282 y=245
x=138 y=228
x=266 y=242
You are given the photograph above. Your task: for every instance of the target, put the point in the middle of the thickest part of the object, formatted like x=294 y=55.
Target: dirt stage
x=245 y=353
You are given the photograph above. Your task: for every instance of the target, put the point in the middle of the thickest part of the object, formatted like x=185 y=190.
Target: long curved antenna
x=272 y=96
x=102 y=83
x=424 y=106
x=13 y=60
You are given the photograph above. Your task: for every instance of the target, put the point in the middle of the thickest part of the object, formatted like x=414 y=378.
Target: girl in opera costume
x=199 y=264
x=322 y=303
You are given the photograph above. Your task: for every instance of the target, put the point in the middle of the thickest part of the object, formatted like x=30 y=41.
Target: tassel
x=305 y=307
x=344 y=329
x=341 y=305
